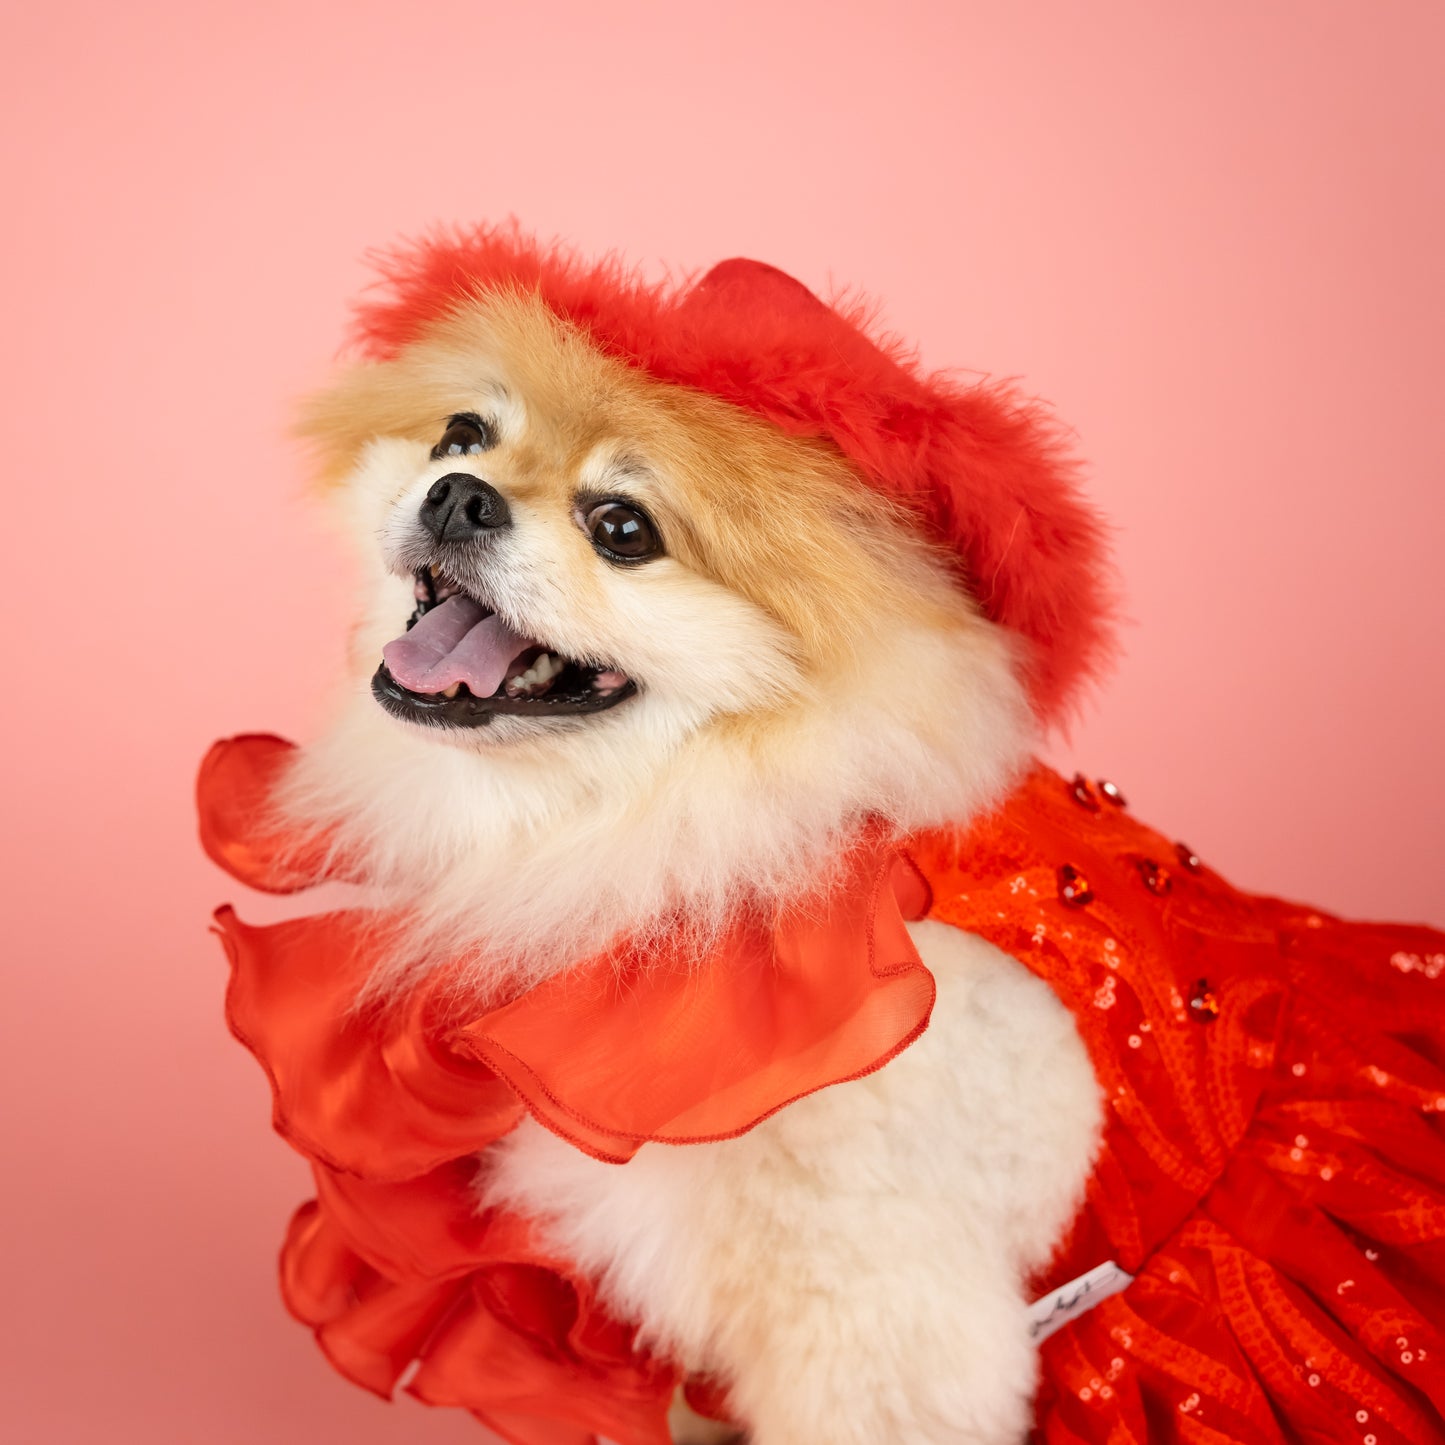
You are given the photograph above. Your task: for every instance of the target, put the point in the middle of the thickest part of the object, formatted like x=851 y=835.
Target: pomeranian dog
x=654 y=631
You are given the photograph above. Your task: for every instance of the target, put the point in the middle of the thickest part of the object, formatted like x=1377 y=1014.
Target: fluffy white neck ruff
x=526 y=858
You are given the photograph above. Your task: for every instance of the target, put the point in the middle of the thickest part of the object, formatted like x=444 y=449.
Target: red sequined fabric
x=1273 y=1165
x=1272 y=1170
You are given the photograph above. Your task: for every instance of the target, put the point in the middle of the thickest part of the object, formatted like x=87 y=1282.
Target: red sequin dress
x=1272 y=1170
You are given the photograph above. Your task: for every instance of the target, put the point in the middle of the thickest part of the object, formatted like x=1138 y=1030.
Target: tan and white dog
x=753 y=652
x=705 y=643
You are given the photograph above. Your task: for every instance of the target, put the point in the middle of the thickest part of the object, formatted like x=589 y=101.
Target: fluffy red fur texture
x=984 y=469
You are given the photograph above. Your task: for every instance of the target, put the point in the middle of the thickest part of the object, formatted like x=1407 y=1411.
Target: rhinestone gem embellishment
x=1204 y=1003
x=1156 y=878
x=1074 y=888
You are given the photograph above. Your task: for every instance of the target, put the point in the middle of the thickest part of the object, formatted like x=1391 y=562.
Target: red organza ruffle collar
x=621 y=1051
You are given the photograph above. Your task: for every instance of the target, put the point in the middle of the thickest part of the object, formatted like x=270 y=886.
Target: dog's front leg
x=810 y=1268
x=873 y=1320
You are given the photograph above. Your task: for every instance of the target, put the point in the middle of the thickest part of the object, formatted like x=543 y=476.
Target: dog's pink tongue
x=457 y=641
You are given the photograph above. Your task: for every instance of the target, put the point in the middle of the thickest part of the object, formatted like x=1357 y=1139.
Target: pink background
x=1211 y=235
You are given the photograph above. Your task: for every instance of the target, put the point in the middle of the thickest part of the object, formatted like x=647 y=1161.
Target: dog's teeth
x=543 y=669
x=452 y=691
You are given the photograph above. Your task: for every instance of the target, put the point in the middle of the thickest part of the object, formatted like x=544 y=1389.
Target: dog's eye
x=623 y=532
x=465 y=436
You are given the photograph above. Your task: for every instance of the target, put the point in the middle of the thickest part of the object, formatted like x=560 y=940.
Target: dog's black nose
x=460 y=506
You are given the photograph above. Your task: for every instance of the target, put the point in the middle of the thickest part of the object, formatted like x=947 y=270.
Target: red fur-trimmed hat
x=983 y=469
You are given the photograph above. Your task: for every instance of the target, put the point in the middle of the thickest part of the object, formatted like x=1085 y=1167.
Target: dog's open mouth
x=459 y=665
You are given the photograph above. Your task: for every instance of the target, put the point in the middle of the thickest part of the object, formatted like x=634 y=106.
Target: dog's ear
x=365 y=400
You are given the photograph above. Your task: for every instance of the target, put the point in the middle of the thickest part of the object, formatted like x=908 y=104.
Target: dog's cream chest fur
x=855 y=1266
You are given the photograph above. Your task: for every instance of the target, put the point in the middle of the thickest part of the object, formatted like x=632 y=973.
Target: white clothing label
x=1069 y=1301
